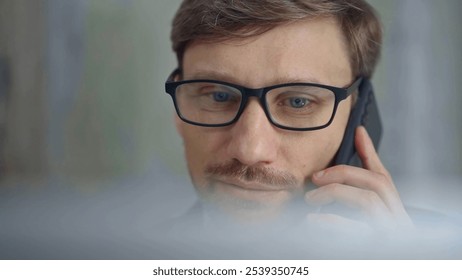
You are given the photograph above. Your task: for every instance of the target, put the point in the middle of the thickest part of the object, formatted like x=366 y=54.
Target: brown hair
x=212 y=20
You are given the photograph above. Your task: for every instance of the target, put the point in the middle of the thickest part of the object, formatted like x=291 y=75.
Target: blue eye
x=298 y=102
x=221 y=96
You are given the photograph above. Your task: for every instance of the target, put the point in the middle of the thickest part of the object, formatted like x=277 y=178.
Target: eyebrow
x=225 y=77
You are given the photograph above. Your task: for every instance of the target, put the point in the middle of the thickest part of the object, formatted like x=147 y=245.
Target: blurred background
x=83 y=111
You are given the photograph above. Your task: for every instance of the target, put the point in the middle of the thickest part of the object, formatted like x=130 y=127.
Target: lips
x=250 y=185
x=262 y=178
x=238 y=192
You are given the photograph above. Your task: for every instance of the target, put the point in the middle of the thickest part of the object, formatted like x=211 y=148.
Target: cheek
x=312 y=151
x=201 y=146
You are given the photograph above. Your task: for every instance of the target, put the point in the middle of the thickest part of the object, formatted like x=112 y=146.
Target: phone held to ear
x=365 y=112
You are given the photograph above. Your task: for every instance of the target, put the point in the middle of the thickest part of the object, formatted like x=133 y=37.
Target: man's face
x=251 y=169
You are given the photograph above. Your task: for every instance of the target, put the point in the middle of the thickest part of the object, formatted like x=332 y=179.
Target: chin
x=245 y=206
x=245 y=212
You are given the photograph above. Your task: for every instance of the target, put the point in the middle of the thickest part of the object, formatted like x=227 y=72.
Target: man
x=258 y=115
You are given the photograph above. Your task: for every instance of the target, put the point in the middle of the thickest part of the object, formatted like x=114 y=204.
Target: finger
x=366 y=151
x=368 y=202
x=366 y=180
x=361 y=178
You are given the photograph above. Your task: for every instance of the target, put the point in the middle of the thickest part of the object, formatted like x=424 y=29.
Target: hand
x=369 y=191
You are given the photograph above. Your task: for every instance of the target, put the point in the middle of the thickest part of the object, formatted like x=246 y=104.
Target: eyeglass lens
x=291 y=106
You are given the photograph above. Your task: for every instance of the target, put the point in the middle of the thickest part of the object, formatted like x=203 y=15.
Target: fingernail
x=309 y=195
x=319 y=174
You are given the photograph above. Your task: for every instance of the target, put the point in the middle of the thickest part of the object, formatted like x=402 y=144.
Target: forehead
x=307 y=50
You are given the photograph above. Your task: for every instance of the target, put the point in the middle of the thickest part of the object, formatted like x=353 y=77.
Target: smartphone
x=365 y=112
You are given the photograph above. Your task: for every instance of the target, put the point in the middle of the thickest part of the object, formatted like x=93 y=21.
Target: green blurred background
x=84 y=96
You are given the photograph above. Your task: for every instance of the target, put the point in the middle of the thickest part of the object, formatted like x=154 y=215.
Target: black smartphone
x=365 y=112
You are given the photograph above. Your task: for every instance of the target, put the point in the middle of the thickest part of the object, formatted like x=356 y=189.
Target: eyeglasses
x=292 y=106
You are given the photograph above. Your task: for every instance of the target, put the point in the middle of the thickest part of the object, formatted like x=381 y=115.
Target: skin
x=304 y=51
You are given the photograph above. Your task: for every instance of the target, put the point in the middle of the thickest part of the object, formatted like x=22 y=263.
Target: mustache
x=264 y=175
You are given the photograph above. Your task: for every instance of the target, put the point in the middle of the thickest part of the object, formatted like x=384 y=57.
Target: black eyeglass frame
x=260 y=93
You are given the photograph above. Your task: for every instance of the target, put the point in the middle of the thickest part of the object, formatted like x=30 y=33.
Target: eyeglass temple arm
x=354 y=86
x=171 y=77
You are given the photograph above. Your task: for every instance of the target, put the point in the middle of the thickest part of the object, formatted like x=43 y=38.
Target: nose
x=254 y=140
